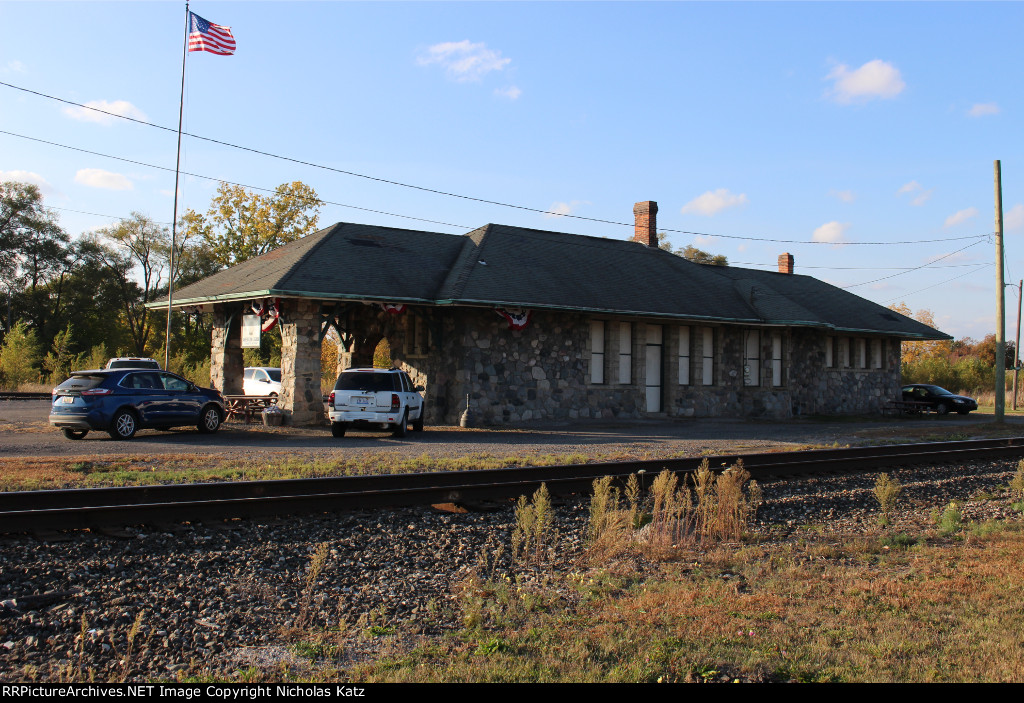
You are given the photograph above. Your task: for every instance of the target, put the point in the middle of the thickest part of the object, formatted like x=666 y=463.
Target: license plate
x=362 y=400
x=67 y=399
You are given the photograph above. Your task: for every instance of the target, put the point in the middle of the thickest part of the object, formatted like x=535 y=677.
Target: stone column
x=226 y=365
x=301 y=398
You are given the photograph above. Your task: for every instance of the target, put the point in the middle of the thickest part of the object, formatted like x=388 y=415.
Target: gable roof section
x=500 y=265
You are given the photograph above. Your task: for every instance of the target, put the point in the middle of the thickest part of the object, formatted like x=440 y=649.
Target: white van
x=261 y=380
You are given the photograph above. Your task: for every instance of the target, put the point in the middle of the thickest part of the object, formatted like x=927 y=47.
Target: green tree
x=692 y=253
x=135 y=254
x=60 y=358
x=19 y=355
x=34 y=251
x=241 y=225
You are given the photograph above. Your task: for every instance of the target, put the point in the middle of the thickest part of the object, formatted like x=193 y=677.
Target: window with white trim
x=862 y=353
x=597 y=351
x=707 y=362
x=776 y=358
x=625 y=352
x=752 y=358
x=830 y=352
x=684 y=356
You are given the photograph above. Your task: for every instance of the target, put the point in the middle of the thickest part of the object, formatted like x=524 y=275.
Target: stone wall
x=545 y=371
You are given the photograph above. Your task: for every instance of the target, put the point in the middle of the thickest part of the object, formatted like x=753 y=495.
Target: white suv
x=385 y=398
x=261 y=380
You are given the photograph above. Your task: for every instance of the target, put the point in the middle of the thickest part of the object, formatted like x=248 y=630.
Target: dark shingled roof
x=515 y=266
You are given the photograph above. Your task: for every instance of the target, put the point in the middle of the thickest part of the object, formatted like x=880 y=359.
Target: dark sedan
x=939 y=399
x=121 y=401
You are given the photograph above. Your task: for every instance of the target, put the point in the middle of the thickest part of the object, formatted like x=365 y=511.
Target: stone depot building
x=536 y=325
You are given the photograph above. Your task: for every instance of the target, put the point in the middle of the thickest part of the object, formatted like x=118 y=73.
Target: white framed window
x=776 y=358
x=625 y=352
x=752 y=358
x=845 y=352
x=597 y=351
x=862 y=353
x=707 y=361
x=876 y=354
x=830 y=352
x=684 y=356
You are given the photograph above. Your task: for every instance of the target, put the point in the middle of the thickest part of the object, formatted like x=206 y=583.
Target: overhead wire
x=433 y=190
x=220 y=180
x=916 y=268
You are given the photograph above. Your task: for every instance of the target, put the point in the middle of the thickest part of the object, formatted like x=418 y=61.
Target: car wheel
x=209 y=421
x=399 y=428
x=74 y=434
x=338 y=429
x=417 y=424
x=124 y=425
x=942 y=409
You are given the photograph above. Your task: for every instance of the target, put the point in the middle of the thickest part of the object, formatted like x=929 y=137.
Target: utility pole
x=1016 y=345
x=1000 y=303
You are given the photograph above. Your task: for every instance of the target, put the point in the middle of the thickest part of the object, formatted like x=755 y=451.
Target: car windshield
x=937 y=390
x=366 y=381
x=275 y=374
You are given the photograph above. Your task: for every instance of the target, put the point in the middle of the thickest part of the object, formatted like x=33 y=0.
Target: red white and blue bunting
x=270 y=309
x=392 y=308
x=518 y=318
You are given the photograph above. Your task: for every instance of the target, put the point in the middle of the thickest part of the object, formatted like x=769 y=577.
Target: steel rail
x=26 y=511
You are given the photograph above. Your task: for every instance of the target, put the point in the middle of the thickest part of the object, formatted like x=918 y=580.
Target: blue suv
x=121 y=401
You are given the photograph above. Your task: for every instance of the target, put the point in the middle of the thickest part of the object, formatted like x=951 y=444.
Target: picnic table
x=248 y=407
x=905 y=407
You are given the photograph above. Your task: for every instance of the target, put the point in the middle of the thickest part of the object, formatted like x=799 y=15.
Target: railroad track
x=34 y=511
x=15 y=395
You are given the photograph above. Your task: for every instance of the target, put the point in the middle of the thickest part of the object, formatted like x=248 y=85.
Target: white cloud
x=560 y=209
x=512 y=92
x=14 y=67
x=831 y=232
x=713 y=202
x=464 y=60
x=117 y=107
x=98 y=178
x=847 y=196
x=875 y=79
x=915 y=187
x=703 y=240
x=961 y=216
x=1014 y=217
x=983 y=109
x=28 y=177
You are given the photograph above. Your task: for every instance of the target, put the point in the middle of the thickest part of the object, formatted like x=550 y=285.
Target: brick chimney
x=645 y=227
x=786 y=263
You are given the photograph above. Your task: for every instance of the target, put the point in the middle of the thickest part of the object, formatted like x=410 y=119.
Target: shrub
x=19 y=356
x=887 y=490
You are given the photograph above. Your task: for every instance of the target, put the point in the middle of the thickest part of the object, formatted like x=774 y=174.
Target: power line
x=883 y=278
x=434 y=190
x=221 y=180
x=921 y=290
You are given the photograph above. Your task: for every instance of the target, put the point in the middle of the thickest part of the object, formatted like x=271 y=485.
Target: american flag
x=207 y=36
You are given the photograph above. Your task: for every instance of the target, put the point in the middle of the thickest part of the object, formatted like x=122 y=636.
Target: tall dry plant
x=533 y=526
x=1017 y=483
x=887 y=491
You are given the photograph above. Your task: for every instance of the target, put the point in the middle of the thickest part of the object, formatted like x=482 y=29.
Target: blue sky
x=836 y=123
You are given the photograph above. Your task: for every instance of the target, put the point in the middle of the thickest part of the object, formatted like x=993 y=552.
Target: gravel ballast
x=218 y=598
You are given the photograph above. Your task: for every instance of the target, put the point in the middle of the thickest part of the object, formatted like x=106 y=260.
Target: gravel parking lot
x=25 y=432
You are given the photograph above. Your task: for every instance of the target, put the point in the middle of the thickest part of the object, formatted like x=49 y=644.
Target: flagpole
x=174 y=222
